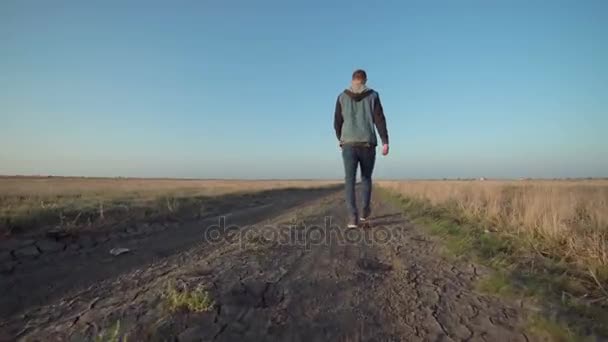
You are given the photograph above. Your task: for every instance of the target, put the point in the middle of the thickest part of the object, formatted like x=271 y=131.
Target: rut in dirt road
x=297 y=276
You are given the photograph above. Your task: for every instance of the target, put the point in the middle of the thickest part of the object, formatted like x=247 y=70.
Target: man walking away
x=358 y=110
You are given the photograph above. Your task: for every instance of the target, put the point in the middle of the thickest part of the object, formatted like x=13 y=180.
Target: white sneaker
x=362 y=219
x=351 y=225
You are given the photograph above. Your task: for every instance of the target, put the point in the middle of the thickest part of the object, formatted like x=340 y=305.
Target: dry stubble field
x=32 y=203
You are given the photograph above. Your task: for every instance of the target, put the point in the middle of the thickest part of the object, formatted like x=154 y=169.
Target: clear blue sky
x=247 y=88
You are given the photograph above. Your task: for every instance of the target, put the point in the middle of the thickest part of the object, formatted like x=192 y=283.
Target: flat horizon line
x=300 y=179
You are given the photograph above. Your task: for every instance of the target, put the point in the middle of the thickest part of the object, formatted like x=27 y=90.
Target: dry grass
x=57 y=187
x=27 y=202
x=568 y=219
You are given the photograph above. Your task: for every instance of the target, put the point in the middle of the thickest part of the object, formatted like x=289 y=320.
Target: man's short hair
x=360 y=74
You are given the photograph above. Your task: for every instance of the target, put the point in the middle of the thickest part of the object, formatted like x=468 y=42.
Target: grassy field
x=545 y=239
x=33 y=202
x=569 y=217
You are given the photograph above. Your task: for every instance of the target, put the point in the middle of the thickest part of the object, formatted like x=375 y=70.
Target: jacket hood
x=358 y=96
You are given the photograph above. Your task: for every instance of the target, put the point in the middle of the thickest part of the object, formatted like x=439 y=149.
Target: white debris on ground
x=119 y=251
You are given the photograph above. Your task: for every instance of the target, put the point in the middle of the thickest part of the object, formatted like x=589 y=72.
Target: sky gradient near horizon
x=246 y=89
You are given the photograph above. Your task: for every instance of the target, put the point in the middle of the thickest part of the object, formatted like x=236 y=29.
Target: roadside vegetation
x=184 y=298
x=112 y=334
x=547 y=242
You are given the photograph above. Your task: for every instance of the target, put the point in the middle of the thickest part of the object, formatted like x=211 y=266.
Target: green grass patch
x=195 y=300
x=497 y=283
x=549 y=330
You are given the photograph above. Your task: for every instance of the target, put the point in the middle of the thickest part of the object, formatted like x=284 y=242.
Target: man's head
x=358 y=82
x=359 y=77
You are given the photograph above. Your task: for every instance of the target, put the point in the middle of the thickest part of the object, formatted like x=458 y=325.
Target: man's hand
x=384 y=149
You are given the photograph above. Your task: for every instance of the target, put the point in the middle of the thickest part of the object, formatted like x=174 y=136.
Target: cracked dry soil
x=384 y=283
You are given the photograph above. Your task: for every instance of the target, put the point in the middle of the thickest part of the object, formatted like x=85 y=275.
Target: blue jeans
x=354 y=155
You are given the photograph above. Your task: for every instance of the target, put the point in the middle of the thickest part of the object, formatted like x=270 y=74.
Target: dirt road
x=287 y=269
